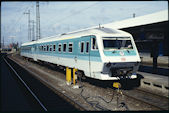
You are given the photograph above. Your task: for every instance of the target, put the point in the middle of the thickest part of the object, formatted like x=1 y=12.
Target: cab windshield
x=117 y=43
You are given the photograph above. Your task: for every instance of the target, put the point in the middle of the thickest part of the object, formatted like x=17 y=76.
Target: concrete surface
x=155 y=83
x=161 y=60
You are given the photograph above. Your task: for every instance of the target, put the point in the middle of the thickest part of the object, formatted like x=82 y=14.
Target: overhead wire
x=67 y=17
x=20 y=17
x=60 y=20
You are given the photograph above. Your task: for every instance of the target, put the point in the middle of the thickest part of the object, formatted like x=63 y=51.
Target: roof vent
x=100 y=26
x=63 y=34
x=107 y=30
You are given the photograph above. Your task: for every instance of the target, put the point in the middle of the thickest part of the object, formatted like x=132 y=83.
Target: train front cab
x=120 y=58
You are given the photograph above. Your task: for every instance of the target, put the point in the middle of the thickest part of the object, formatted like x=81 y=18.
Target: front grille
x=117 y=72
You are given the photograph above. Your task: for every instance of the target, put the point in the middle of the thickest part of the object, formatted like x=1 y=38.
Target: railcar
x=99 y=53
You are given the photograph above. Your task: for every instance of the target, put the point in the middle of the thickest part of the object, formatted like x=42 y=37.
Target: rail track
x=139 y=96
x=154 y=101
x=65 y=97
x=26 y=86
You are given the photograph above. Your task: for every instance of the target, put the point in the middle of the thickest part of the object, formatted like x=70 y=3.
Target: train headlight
x=108 y=64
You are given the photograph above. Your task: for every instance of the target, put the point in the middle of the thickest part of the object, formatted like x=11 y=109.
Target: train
x=99 y=53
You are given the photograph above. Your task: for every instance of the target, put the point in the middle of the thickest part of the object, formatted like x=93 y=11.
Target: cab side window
x=94 y=44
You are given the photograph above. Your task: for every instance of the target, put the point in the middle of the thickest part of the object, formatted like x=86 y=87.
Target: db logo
x=123 y=59
x=121 y=53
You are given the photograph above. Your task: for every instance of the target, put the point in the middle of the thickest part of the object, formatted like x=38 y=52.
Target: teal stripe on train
x=117 y=53
x=81 y=57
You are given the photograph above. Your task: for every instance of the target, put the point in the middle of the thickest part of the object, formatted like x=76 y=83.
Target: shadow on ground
x=149 y=69
x=126 y=84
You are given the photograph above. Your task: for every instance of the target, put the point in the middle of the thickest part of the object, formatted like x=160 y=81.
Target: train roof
x=79 y=33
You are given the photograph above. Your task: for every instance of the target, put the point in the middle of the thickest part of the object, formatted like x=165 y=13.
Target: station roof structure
x=157 y=17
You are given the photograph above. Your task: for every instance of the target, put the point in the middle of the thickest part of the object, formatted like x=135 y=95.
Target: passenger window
x=59 y=47
x=47 y=48
x=82 y=47
x=50 y=47
x=87 y=47
x=94 y=44
x=64 y=47
x=54 y=47
x=70 y=47
x=42 y=48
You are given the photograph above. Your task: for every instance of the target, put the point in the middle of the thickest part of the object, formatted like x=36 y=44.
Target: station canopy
x=157 y=17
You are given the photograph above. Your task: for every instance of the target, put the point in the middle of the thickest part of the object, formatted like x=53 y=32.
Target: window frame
x=60 y=47
x=54 y=49
x=45 y=48
x=88 y=47
x=64 y=48
x=81 y=47
x=50 y=47
x=69 y=47
x=96 y=47
x=123 y=38
x=41 y=48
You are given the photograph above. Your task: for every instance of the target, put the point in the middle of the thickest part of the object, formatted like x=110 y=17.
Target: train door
x=82 y=58
x=34 y=52
x=94 y=57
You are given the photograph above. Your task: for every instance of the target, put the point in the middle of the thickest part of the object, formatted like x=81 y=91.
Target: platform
x=161 y=60
x=155 y=83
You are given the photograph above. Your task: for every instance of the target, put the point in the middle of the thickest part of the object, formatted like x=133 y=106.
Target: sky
x=61 y=17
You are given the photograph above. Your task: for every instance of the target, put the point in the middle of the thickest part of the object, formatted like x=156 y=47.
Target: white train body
x=101 y=53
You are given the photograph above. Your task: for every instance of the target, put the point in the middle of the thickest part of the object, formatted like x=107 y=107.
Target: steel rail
x=64 y=96
x=142 y=101
x=26 y=85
